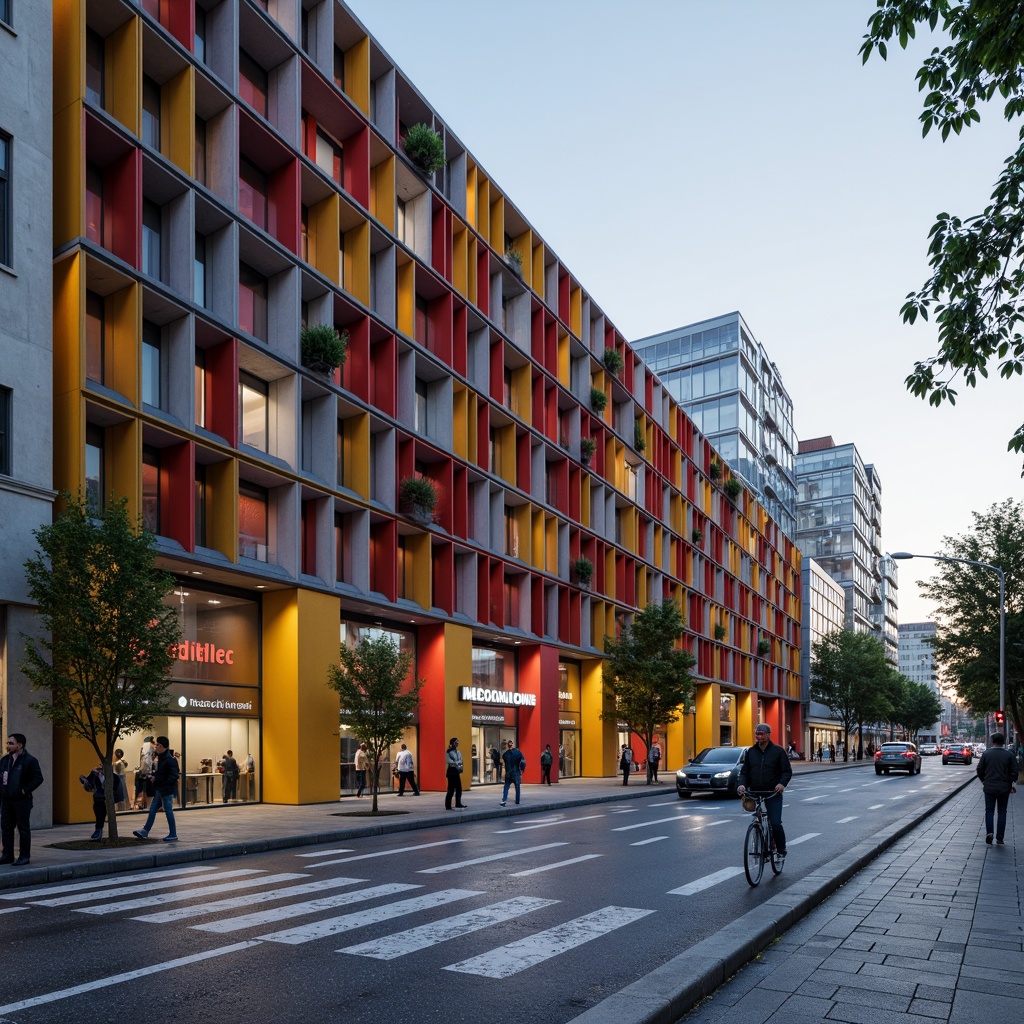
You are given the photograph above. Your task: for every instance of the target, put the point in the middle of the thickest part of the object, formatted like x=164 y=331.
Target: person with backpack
x=626 y=763
x=654 y=758
x=997 y=770
x=165 y=786
x=546 y=760
x=515 y=765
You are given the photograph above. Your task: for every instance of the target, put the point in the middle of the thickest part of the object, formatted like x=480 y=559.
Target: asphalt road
x=532 y=919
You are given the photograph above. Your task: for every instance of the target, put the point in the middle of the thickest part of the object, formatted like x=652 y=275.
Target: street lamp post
x=1002 y=608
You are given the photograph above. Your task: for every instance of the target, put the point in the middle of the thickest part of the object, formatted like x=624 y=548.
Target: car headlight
x=723 y=775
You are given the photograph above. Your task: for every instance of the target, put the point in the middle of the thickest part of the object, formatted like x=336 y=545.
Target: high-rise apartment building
x=722 y=376
x=917 y=663
x=231 y=171
x=839 y=525
x=824 y=612
x=26 y=356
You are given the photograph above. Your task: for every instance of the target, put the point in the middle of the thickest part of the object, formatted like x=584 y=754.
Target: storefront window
x=494 y=723
x=569 y=706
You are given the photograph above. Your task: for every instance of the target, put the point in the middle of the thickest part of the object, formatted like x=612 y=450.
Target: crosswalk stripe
x=560 y=864
x=11 y=910
x=517 y=956
x=335 y=925
x=261 y=917
x=128 y=890
x=387 y=853
x=400 y=943
x=483 y=860
x=101 y=883
x=248 y=900
x=700 y=884
x=546 y=824
x=647 y=824
x=150 y=900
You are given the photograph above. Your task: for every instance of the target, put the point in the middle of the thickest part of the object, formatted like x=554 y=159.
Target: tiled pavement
x=932 y=930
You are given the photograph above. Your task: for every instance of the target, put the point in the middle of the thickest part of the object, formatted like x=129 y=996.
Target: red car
x=958 y=753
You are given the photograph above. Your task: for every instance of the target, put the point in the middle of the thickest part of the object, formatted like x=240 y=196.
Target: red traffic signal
x=1000 y=717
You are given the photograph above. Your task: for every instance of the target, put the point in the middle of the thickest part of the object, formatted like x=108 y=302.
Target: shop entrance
x=569 y=766
x=486 y=737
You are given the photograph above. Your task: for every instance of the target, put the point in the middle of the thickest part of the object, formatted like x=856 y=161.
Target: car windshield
x=895 y=746
x=719 y=755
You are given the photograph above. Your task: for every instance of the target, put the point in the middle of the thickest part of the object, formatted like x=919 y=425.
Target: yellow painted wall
x=707 y=699
x=601 y=751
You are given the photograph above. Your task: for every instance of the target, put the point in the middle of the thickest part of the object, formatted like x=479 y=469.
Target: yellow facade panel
x=357 y=74
x=68 y=53
x=357 y=262
x=68 y=327
x=324 y=228
x=497 y=222
x=122 y=346
x=356 y=453
x=382 y=192
x=123 y=469
x=68 y=174
x=418 y=569
x=123 y=75
x=222 y=508
x=178 y=125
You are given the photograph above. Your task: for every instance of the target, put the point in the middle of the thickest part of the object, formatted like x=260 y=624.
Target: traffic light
x=1000 y=717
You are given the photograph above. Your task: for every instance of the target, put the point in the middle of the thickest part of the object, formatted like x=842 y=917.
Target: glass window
x=151 y=489
x=339 y=547
x=420 y=423
x=252 y=83
x=200 y=506
x=94 y=204
x=341 y=454
x=252 y=302
x=200 y=388
x=6 y=444
x=152 y=377
x=199 y=39
x=94 y=482
x=252 y=193
x=94 y=337
x=253 y=407
x=95 y=61
x=253 y=522
x=328 y=155
x=199 y=272
x=151 y=228
x=6 y=248
x=308 y=413
x=200 y=168
x=150 y=113
x=339 y=68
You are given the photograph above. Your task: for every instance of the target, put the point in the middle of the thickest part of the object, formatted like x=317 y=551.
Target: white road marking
x=11 y=910
x=647 y=824
x=849 y=789
x=808 y=799
x=189 y=894
x=400 y=943
x=336 y=925
x=100 y=883
x=710 y=824
x=901 y=796
x=551 y=867
x=129 y=890
x=484 y=860
x=261 y=917
x=626 y=810
x=505 y=961
x=852 y=817
x=801 y=839
x=653 y=839
x=248 y=900
x=324 y=853
x=545 y=824
x=666 y=803
x=692 y=888
x=386 y=853
x=118 y=979
x=874 y=807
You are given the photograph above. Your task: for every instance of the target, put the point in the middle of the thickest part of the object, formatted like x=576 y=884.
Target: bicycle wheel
x=753 y=854
x=777 y=861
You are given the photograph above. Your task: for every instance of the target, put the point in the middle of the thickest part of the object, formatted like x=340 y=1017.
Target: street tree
x=110 y=639
x=647 y=674
x=976 y=288
x=915 y=707
x=377 y=698
x=851 y=677
x=967 y=600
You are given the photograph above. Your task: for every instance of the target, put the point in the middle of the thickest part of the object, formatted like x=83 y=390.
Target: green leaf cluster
x=598 y=400
x=109 y=638
x=377 y=702
x=976 y=289
x=324 y=347
x=425 y=148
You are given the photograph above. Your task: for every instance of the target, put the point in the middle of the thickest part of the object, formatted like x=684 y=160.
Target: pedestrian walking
x=405 y=766
x=819 y=753
x=229 y=783
x=654 y=759
x=515 y=765
x=626 y=763
x=362 y=761
x=997 y=770
x=453 y=773
x=20 y=777
x=832 y=752
x=144 y=774
x=165 y=787
x=93 y=783
x=546 y=760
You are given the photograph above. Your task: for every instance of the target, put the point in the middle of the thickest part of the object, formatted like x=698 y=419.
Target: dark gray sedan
x=713 y=770
x=897 y=757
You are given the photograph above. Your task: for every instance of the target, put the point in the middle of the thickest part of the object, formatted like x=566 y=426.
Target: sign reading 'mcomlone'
x=478 y=695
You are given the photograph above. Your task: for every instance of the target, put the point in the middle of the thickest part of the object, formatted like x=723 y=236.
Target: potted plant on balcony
x=697 y=535
x=763 y=646
x=720 y=632
x=425 y=148
x=324 y=348
x=715 y=470
x=418 y=498
x=514 y=258
x=581 y=572
x=613 y=361
x=598 y=400
x=587 y=448
x=639 y=442
x=732 y=488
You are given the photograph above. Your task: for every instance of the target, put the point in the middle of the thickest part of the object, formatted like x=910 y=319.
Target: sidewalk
x=208 y=833
x=929 y=930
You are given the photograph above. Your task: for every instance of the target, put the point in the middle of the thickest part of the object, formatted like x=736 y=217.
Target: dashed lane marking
x=560 y=864
x=483 y=860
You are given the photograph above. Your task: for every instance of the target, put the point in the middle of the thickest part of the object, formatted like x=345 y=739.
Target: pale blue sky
x=685 y=159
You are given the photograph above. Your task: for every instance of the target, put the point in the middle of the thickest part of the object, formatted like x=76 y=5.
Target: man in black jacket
x=766 y=769
x=20 y=776
x=165 y=782
x=997 y=770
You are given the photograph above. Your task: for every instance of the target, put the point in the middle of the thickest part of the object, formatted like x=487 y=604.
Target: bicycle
x=759 y=843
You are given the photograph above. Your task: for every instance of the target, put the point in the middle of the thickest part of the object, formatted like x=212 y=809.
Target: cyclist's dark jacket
x=762 y=772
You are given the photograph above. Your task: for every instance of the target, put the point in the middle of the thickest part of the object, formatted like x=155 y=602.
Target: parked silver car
x=897 y=757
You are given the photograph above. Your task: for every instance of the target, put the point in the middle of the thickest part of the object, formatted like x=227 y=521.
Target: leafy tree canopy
x=915 y=706
x=975 y=289
x=376 y=701
x=646 y=674
x=110 y=637
x=967 y=600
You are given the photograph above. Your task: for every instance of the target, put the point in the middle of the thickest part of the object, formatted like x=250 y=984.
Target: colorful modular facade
x=229 y=171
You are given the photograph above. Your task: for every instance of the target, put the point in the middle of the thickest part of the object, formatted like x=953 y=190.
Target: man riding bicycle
x=766 y=770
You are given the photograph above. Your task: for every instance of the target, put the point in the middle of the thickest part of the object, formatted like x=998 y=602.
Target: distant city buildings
x=733 y=392
x=824 y=612
x=917 y=663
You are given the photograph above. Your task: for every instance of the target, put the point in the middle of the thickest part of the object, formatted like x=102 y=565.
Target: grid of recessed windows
x=5 y=200
x=6 y=459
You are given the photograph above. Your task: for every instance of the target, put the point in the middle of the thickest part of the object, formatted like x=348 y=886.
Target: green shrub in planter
x=732 y=487
x=613 y=361
x=514 y=258
x=697 y=536
x=324 y=348
x=582 y=572
x=763 y=646
x=425 y=148
x=715 y=470
x=587 y=448
x=598 y=400
x=639 y=442
x=720 y=632
x=418 y=494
